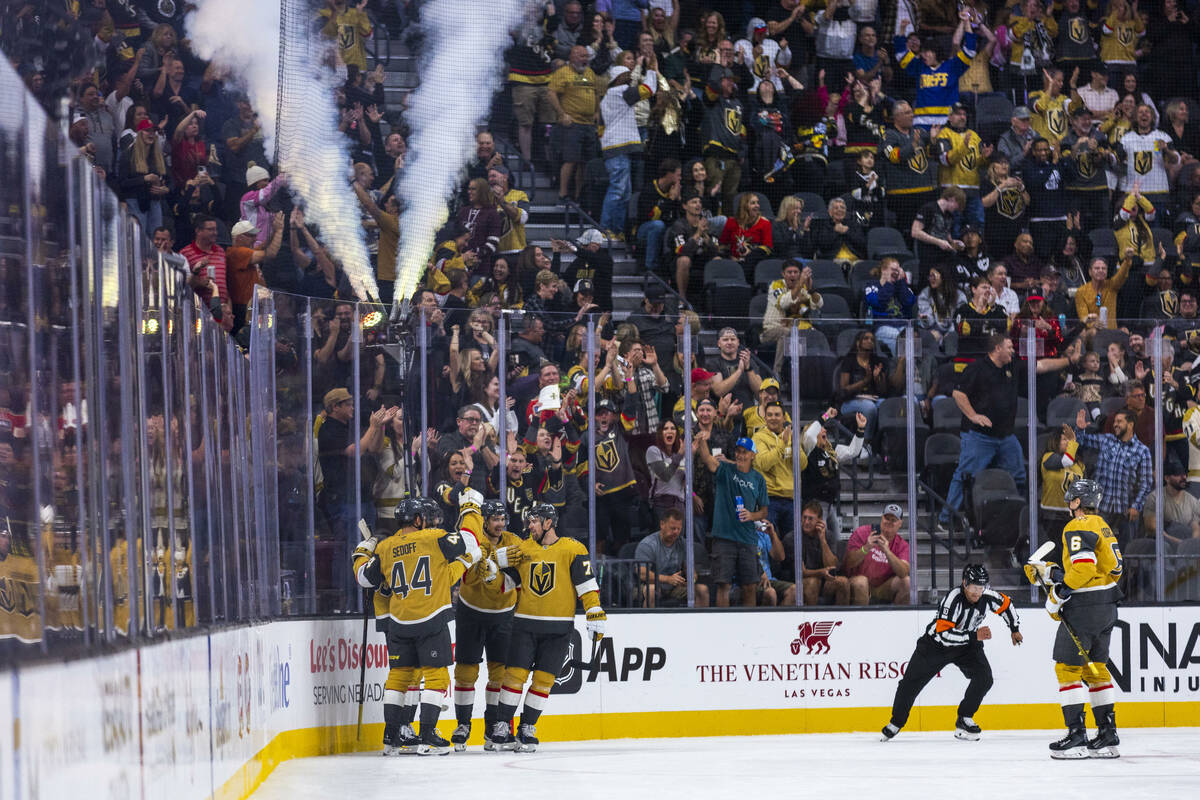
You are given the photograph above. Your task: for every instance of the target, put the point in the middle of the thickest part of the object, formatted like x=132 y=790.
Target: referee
x=955 y=637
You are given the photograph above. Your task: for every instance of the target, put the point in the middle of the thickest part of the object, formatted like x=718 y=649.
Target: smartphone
x=716 y=451
x=201 y=170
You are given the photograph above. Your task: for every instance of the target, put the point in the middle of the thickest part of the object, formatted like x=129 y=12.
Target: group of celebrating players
x=516 y=602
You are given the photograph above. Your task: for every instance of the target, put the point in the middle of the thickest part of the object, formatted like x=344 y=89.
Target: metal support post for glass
x=134 y=527
x=910 y=433
x=352 y=593
x=591 y=432
x=310 y=539
x=186 y=332
x=797 y=349
x=1159 y=433
x=689 y=519
x=210 y=427
x=32 y=256
x=423 y=350
x=501 y=405
x=276 y=562
x=164 y=332
x=1031 y=345
x=232 y=421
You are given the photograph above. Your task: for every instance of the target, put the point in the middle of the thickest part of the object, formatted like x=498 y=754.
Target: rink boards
x=212 y=715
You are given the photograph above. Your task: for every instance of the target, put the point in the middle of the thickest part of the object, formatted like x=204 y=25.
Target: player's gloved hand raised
x=1043 y=572
x=595 y=623
x=511 y=556
x=1056 y=597
x=469 y=500
x=367 y=545
x=489 y=569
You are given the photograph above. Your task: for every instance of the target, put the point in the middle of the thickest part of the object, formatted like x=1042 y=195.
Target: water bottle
x=739 y=505
x=1062 y=323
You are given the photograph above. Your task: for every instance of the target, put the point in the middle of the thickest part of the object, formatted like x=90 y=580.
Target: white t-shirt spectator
x=1144 y=161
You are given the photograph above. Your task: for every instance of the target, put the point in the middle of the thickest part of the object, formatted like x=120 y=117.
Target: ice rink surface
x=1154 y=763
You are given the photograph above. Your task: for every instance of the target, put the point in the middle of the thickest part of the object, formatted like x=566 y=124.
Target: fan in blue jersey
x=937 y=79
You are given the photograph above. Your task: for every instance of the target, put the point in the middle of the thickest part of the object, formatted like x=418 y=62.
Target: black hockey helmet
x=976 y=574
x=1086 y=491
x=407 y=511
x=545 y=512
x=494 y=508
x=431 y=511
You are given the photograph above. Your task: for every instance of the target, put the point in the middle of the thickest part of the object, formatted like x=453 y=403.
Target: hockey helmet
x=976 y=574
x=431 y=511
x=545 y=512
x=495 y=508
x=1086 y=491
x=407 y=511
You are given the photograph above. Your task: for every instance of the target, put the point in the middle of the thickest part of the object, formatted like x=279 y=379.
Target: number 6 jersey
x=1092 y=561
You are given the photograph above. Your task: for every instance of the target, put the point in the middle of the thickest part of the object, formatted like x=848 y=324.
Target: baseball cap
x=145 y=125
x=590 y=236
x=243 y=226
x=1172 y=466
x=746 y=443
x=894 y=510
x=1022 y=112
x=1050 y=272
x=957 y=107
x=655 y=293
x=718 y=74
x=1034 y=296
x=701 y=374
x=255 y=174
x=769 y=383
x=606 y=405
x=1080 y=110
x=584 y=286
x=335 y=396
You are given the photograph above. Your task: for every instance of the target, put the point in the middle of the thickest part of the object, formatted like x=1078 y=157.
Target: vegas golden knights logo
x=918 y=162
x=1009 y=204
x=541 y=577
x=1170 y=303
x=1125 y=36
x=970 y=159
x=1056 y=121
x=733 y=120
x=1085 y=165
x=607 y=457
x=1077 y=30
x=347 y=37
x=762 y=66
x=1142 y=161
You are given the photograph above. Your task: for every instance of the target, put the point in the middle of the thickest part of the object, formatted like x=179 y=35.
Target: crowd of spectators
x=961 y=169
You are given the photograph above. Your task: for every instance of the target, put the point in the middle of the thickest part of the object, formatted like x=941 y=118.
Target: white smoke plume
x=246 y=36
x=461 y=69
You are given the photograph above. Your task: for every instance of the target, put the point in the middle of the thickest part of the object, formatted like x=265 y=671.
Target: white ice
x=1154 y=763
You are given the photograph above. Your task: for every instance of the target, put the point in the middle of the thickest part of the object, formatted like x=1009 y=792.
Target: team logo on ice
x=813 y=635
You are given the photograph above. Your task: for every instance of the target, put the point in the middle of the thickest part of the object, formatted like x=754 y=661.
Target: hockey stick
x=590 y=664
x=368 y=607
x=1038 y=556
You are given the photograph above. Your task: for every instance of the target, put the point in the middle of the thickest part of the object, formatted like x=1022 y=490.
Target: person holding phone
x=820 y=575
x=877 y=561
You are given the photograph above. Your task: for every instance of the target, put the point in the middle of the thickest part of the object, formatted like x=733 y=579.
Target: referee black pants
x=928 y=660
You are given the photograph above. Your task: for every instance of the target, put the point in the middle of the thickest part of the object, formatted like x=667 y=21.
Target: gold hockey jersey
x=1091 y=560
x=419 y=568
x=498 y=596
x=550 y=581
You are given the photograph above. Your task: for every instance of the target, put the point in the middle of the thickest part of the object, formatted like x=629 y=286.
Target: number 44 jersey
x=419 y=568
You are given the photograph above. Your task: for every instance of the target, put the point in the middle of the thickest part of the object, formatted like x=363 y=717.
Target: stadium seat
x=892 y=422
x=861 y=277
x=1106 y=336
x=766 y=271
x=887 y=242
x=754 y=326
x=946 y=415
x=1138 y=579
x=1185 y=578
x=1104 y=242
x=995 y=503
x=1111 y=405
x=1062 y=411
x=813 y=204
x=993 y=115
x=835 y=311
x=825 y=271
x=841 y=290
x=1163 y=236
x=942 y=451
x=845 y=339
x=724 y=270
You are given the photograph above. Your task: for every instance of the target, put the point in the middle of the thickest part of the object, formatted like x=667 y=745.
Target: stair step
x=400 y=80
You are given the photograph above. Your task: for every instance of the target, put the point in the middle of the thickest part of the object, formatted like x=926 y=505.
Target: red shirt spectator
x=205 y=254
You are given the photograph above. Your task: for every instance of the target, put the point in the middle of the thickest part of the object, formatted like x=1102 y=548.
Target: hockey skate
x=889 y=732
x=391 y=740
x=967 y=730
x=526 y=739
x=402 y=742
x=1072 y=746
x=432 y=743
x=1104 y=744
x=502 y=738
x=460 y=736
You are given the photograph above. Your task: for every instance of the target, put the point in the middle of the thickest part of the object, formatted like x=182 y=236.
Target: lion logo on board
x=813 y=635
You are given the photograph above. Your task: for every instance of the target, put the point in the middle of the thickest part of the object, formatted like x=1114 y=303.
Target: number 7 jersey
x=551 y=580
x=1091 y=561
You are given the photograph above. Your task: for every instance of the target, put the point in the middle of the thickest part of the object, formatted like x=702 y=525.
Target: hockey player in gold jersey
x=483 y=621
x=420 y=565
x=555 y=572
x=1083 y=596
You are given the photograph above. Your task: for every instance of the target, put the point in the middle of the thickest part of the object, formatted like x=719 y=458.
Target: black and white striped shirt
x=957 y=619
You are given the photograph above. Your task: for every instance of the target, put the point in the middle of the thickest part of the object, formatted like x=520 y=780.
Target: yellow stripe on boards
x=310 y=742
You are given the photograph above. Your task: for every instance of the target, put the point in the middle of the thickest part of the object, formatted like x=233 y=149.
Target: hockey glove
x=489 y=569
x=469 y=500
x=1042 y=573
x=367 y=545
x=1056 y=596
x=595 y=623
x=511 y=556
